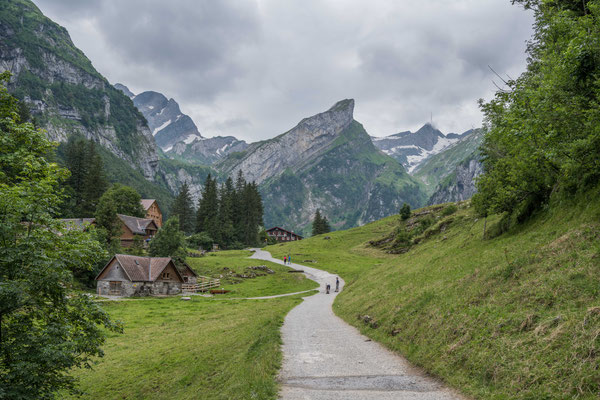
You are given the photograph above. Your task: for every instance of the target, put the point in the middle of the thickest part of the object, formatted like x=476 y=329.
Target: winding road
x=324 y=358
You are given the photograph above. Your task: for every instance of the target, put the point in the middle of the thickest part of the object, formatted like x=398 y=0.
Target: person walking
x=327 y=288
x=284 y=260
x=289 y=260
x=337 y=284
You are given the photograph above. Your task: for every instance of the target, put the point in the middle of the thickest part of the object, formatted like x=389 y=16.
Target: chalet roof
x=281 y=229
x=147 y=203
x=137 y=225
x=183 y=269
x=141 y=269
x=78 y=223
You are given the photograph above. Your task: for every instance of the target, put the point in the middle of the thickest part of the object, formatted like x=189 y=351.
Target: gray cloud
x=255 y=68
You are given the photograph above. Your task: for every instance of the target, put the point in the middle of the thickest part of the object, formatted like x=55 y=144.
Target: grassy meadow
x=516 y=316
x=219 y=264
x=202 y=348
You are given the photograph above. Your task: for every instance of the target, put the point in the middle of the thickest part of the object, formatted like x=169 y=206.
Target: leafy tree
x=543 y=129
x=169 y=241
x=405 y=211
x=46 y=329
x=183 y=207
x=200 y=240
x=127 y=200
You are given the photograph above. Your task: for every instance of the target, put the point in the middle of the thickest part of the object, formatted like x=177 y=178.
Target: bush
x=449 y=210
x=201 y=239
x=405 y=211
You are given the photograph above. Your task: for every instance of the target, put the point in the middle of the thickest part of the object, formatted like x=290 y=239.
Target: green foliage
x=449 y=210
x=230 y=214
x=46 y=329
x=127 y=200
x=183 y=208
x=87 y=181
x=200 y=240
x=169 y=241
x=109 y=225
x=405 y=211
x=320 y=224
x=544 y=130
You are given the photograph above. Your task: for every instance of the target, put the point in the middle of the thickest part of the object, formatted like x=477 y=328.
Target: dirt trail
x=327 y=359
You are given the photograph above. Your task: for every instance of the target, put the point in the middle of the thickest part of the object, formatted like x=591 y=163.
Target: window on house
x=165 y=275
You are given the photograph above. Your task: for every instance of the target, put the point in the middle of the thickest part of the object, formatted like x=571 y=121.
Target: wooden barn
x=152 y=211
x=144 y=227
x=126 y=275
x=283 y=235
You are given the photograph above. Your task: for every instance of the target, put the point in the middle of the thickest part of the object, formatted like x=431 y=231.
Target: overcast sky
x=254 y=69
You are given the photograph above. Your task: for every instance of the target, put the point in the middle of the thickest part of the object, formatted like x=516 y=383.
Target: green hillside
x=514 y=316
x=436 y=168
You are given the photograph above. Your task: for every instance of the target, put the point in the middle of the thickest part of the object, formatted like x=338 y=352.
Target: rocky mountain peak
x=125 y=90
x=263 y=160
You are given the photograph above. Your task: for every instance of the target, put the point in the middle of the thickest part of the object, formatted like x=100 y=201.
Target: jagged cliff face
x=412 y=149
x=66 y=94
x=177 y=134
x=264 y=160
x=460 y=184
x=326 y=162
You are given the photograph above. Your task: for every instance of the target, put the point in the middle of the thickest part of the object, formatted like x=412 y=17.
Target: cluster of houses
x=128 y=275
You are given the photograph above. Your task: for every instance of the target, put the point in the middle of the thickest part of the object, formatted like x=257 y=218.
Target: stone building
x=131 y=226
x=152 y=211
x=126 y=275
x=282 y=235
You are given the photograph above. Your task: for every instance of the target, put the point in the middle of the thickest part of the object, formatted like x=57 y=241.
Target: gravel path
x=324 y=358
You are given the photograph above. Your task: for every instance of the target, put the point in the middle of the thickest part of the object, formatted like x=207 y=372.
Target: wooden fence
x=204 y=285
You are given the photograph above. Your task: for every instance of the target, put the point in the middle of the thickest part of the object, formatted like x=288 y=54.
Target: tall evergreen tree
x=226 y=217
x=183 y=207
x=76 y=163
x=317 y=224
x=95 y=183
x=207 y=217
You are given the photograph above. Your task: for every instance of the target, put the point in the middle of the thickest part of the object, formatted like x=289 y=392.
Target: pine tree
x=207 y=218
x=405 y=211
x=226 y=217
x=94 y=183
x=75 y=159
x=183 y=207
x=108 y=224
x=317 y=224
x=325 y=225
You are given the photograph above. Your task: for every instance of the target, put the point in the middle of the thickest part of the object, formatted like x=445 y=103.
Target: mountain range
x=175 y=132
x=327 y=161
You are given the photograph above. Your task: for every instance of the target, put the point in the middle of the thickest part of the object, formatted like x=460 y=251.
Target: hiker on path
x=284 y=260
x=337 y=284
x=289 y=260
x=327 y=288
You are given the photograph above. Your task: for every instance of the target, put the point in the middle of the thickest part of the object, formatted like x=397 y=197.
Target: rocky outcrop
x=460 y=185
x=64 y=91
x=264 y=160
x=176 y=133
x=124 y=89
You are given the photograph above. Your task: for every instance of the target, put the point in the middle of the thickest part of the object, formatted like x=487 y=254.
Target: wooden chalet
x=131 y=226
x=152 y=211
x=283 y=235
x=126 y=275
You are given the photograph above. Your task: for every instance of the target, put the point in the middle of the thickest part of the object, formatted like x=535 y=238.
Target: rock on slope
x=460 y=183
x=66 y=94
x=329 y=162
x=176 y=133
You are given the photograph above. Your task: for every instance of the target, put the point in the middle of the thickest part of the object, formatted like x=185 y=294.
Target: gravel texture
x=327 y=359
